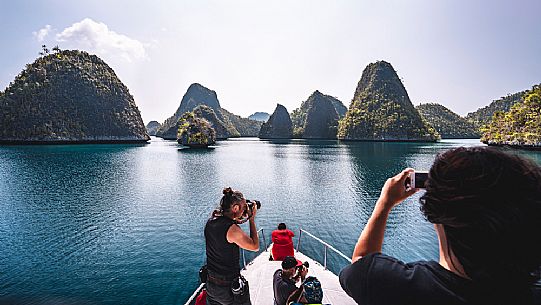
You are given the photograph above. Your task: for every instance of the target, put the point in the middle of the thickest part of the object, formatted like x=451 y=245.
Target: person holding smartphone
x=485 y=205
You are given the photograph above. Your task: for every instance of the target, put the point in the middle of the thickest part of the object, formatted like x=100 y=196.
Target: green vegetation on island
x=447 y=123
x=382 y=111
x=69 y=96
x=483 y=116
x=223 y=131
x=245 y=127
x=278 y=126
x=317 y=117
x=520 y=126
x=194 y=131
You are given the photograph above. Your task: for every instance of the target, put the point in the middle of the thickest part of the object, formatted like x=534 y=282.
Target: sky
x=460 y=53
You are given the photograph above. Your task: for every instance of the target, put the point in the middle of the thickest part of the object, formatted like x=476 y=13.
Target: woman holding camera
x=223 y=237
x=486 y=209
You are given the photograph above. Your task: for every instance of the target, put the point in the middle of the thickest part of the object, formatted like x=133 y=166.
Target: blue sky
x=254 y=54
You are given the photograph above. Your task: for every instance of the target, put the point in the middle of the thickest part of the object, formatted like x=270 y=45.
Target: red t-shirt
x=283 y=244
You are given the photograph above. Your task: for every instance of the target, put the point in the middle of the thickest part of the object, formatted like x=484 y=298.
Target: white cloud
x=96 y=37
x=42 y=33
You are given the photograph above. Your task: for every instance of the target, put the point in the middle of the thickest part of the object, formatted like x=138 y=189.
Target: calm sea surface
x=123 y=224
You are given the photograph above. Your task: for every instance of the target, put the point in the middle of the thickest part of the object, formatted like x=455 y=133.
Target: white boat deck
x=260 y=271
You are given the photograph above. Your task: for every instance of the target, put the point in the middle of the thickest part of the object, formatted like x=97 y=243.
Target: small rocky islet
x=70 y=96
x=195 y=131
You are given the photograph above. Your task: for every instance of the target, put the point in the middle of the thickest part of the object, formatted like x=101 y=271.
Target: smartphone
x=416 y=180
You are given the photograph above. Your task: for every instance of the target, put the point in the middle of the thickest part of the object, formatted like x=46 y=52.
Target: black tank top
x=222 y=256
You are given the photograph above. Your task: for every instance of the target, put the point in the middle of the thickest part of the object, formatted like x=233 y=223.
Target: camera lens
x=251 y=203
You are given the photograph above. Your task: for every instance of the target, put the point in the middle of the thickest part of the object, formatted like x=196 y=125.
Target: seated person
x=283 y=242
x=485 y=205
x=285 y=279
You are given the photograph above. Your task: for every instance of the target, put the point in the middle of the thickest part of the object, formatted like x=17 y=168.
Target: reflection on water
x=123 y=224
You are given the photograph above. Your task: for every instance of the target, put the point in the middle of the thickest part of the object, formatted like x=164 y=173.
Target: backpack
x=201 y=298
x=312 y=290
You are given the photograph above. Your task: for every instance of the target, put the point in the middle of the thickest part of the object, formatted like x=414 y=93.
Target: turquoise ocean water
x=123 y=224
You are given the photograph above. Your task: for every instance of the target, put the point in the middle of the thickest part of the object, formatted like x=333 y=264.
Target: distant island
x=152 y=127
x=259 y=116
x=382 y=111
x=447 y=123
x=69 y=96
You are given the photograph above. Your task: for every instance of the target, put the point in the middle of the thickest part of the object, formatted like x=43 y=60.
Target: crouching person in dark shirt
x=285 y=279
x=486 y=209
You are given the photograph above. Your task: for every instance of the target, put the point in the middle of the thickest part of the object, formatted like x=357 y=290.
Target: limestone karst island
x=69 y=97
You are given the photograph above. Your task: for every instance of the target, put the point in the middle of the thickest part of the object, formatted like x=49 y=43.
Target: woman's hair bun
x=227 y=191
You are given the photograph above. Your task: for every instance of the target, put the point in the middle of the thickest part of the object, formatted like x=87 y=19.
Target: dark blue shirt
x=378 y=279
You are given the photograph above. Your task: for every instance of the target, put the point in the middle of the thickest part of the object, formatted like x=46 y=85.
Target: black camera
x=251 y=203
x=304 y=265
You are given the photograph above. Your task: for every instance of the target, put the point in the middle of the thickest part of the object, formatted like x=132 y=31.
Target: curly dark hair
x=489 y=203
x=229 y=198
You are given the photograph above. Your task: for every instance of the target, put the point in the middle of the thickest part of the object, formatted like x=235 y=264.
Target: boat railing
x=325 y=244
x=195 y=294
x=264 y=243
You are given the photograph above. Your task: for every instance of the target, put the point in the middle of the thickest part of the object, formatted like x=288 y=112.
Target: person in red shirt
x=283 y=242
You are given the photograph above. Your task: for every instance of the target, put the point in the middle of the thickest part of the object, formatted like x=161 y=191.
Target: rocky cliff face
x=278 y=126
x=382 y=111
x=447 y=123
x=69 y=97
x=317 y=118
x=152 y=127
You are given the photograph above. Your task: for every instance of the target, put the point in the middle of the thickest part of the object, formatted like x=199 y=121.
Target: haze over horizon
x=461 y=54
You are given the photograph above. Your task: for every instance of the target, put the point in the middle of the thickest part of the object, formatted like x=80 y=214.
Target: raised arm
x=392 y=193
x=236 y=235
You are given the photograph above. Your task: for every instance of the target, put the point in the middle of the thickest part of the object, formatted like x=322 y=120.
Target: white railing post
x=299 y=242
x=325 y=258
x=264 y=240
x=194 y=295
